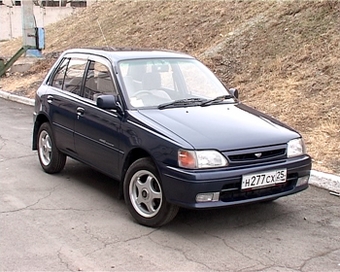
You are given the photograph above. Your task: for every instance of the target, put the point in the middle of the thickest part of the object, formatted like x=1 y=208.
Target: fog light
x=302 y=180
x=208 y=197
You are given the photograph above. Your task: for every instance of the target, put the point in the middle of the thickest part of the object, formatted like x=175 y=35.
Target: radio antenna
x=107 y=45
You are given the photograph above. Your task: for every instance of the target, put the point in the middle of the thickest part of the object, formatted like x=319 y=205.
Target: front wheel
x=144 y=196
x=51 y=159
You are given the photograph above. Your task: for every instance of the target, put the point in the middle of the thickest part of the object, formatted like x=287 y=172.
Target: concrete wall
x=11 y=18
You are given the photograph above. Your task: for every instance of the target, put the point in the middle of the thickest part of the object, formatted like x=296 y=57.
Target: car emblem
x=258 y=155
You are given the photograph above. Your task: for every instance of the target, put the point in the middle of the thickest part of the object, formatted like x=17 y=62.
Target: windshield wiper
x=182 y=103
x=216 y=100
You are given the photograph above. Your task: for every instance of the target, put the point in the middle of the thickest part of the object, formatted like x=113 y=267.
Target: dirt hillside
x=283 y=56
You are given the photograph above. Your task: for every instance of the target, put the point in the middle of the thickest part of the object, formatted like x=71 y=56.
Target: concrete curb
x=319 y=179
x=17 y=98
x=326 y=181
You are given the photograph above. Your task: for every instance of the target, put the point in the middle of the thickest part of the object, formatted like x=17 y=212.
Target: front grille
x=232 y=192
x=252 y=156
x=256 y=155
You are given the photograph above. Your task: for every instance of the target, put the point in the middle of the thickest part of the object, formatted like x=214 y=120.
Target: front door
x=97 y=131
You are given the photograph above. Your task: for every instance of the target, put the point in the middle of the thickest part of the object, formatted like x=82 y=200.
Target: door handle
x=80 y=112
x=49 y=98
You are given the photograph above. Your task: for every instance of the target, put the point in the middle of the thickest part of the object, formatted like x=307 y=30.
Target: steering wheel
x=141 y=93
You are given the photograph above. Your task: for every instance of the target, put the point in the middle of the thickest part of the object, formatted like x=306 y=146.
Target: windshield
x=153 y=82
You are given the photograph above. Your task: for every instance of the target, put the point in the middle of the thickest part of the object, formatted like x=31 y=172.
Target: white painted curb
x=17 y=98
x=319 y=179
x=326 y=181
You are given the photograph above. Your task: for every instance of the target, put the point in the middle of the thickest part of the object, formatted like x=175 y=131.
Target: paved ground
x=74 y=221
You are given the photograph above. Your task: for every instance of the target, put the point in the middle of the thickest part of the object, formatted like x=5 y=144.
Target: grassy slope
x=284 y=56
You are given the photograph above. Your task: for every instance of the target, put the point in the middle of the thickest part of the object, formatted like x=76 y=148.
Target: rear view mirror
x=162 y=68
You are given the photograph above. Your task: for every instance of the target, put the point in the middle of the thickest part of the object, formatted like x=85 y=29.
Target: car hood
x=222 y=127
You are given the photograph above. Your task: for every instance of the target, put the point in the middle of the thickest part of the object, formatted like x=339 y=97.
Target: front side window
x=98 y=81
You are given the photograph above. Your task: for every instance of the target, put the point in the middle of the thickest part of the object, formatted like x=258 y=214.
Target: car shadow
x=229 y=218
x=86 y=175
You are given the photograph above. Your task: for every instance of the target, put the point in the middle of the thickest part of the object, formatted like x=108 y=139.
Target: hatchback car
x=167 y=129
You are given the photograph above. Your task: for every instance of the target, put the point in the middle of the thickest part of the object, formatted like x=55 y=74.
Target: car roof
x=125 y=53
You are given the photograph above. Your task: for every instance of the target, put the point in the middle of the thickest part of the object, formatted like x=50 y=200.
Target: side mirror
x=109 y=102
x=234 y=92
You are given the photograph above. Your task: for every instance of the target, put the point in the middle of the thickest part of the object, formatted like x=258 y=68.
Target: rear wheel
x=51 y=159
x=144 y=195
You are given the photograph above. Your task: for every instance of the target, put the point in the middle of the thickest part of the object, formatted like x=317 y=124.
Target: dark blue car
x=167 y=129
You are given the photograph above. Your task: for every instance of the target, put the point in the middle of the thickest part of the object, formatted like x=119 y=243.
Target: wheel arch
x=144 y=194
x=39 y=120
x=132 y=156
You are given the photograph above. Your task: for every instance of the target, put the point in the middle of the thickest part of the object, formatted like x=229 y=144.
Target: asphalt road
x=75 y=221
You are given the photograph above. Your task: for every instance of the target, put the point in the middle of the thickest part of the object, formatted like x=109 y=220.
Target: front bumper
x=181 y=186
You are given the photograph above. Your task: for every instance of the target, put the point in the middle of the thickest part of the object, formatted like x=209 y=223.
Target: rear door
x=62 y=100
x=97 y=131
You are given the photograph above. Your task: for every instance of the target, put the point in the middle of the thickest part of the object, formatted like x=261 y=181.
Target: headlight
x=201 y=159
x=295 y=148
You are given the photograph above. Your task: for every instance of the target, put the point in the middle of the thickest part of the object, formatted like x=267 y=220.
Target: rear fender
x=39 y=120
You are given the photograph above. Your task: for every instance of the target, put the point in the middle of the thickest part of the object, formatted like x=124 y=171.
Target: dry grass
x=283 y=55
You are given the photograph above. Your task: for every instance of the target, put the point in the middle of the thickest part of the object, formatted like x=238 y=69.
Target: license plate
x=265 y=179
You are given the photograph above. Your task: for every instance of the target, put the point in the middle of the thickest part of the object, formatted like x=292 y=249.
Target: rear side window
x=69 y=75
x=74 y=75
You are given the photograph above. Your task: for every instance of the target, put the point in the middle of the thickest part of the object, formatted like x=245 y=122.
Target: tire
x=144 y=195
x=51 y=159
